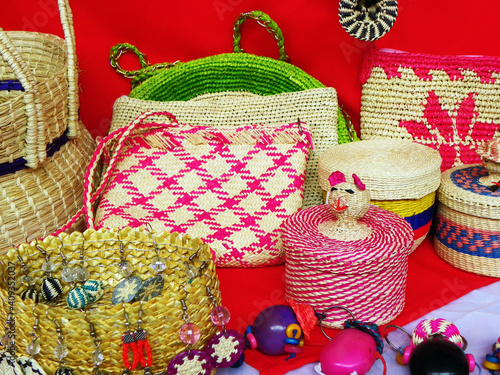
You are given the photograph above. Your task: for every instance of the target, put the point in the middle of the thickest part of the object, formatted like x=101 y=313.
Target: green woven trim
x=230 y=72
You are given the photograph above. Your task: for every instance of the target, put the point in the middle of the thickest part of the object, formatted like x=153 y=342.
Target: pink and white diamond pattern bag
x=231 y=187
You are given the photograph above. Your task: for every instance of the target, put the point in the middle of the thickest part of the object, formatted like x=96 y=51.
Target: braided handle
x=120 y=136
x=265 y=21
x=140 y=75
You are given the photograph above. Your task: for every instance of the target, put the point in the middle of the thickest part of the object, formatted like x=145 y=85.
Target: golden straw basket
x=402 y=177
x=45 y=148
x=162 y=315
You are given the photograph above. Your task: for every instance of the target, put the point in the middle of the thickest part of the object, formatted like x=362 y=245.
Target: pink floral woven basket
x=367 y=276
x=450 y=103
x=230 y=187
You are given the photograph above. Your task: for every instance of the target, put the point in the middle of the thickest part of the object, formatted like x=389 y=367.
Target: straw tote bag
x=45 y=147
x=231 y=187
x=450 y=103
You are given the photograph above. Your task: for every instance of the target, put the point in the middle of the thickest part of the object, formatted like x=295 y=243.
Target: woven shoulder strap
x=117 y=141
x=35 y=143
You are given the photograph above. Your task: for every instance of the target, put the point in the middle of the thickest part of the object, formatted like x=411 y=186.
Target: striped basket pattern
x=402 y=177
x=468 y=221
x=367 y=276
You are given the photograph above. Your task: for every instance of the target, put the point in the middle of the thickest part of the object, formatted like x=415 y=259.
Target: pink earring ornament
x=354 y=350
x=436 y=348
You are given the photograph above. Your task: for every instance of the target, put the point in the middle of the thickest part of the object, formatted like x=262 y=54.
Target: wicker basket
x=367 y=276
x=401 y=176
x=236 y=72
x=162 y=315
x=39 y=128
x=468 y=220
x=40 y=103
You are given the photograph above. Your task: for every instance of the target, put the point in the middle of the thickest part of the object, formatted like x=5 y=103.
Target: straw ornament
x=368 y=20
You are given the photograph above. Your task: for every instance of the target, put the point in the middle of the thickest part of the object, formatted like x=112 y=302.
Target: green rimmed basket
x=237 y=71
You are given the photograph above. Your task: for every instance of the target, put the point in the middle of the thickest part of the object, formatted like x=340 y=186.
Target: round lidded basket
x=367 y=276
x=468 y=220
x=162 y=315
x=402 y=177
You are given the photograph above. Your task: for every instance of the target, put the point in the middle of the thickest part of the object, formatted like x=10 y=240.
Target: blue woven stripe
x=468 y=241
x=421 y=219
x=11 y=85
x=20 y=163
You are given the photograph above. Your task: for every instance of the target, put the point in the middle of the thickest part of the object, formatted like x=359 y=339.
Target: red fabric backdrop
x=188 y=29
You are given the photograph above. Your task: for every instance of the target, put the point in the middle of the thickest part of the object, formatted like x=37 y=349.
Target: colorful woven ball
x=31 y=294
x=77 y=298
x=94 y=289
x=51 y=288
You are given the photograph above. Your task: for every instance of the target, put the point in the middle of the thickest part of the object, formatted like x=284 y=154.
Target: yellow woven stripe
x=407 y=207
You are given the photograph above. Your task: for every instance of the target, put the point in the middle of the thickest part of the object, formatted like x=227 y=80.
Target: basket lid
x=391 y=169
x=389 y=242
x=471 y=190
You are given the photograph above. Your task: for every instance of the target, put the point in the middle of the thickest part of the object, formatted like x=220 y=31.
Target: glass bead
x=191 y=272
x=125 y=269
x=27 y=280
x=33 y=348
x=60 y=351
x=82 y=274
x=48 y=266
x=220 y=316
x=68 y=274
x=97 y=357
x=190 y=333
x=159 y=264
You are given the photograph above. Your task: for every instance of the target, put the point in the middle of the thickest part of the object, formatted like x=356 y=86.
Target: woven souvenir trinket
x=468 y=220
x=402 y=177
x=450 y=103
x=347 y=253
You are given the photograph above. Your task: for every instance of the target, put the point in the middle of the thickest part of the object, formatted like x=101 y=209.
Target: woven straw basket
x=402 y=177
x=36 y=126
x=367 y=276
x=162 y=316
x=41 y=100
x=316 y=107
x=468 y=221
x=236 y=72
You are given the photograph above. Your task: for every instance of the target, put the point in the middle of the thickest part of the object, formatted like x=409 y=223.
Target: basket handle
x=265 y=21
x=118 y=137
x=140 y=75
x=35 y=133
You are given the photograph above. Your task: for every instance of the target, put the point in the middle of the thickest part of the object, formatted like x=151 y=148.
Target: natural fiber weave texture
x=316 y=107
x=162 y=315
x=36 y=202
x=450 y=103
x=233 y=187
x=367 y=276
x=402 y=176
x=468 y=221
x=45 y=104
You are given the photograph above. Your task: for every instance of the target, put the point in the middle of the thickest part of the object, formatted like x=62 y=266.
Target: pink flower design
x=455 y=137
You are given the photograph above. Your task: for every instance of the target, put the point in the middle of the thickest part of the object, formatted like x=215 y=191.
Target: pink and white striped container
x=367 y=276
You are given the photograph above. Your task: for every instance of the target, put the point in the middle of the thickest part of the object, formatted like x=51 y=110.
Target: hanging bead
x=94 y=289
x=220 y=316
x=33 y=348
x=63 y=371
x=27 y=280
x=82 y=274
x=125 y=268
x=190 y=333
x=97 y=357
x=191 y=271
x=31 y=294
x=68 y=274
x=77 y=298
x=51 y=288
x=190 y=362
x=159 y=264
x=48 y=266
x=60 y=351
x=225 y=348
